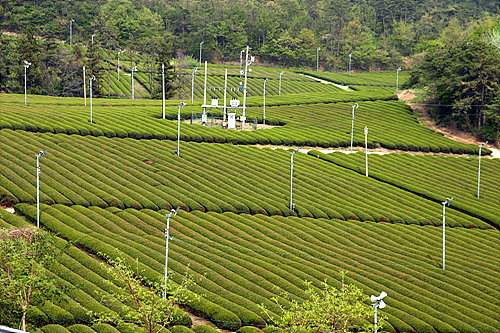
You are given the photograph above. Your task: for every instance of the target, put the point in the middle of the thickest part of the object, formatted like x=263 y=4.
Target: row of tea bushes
x=391 y=125
x=435 y=177
x=126 y=173
x=244 y=256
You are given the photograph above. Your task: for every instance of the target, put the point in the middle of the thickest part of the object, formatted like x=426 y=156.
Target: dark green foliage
x=36 y=317
x=462 y=79
x=180 y=329
x=79 y=328
x=204 y=329
x=249 y=329
x=56 y=314
x=104 y=328
x=54 y=328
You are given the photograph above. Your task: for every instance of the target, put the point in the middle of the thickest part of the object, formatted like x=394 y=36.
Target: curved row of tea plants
x=364 y=81
x=435 y=177
x=391 y=124
x=244 y=256
x=127 y=173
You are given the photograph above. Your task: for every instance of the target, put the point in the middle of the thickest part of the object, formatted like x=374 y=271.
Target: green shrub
x=56 y=314
x=36 y=317
x=182 y=318
x=249 y=329
x=272 y=329
x=4 y=124
x=79 y=328
x=54 y=328
x=204 y=329
x=180 y=329
x=104 y=328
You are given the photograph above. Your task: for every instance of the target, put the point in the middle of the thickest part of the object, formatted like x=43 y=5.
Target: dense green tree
x=462 y=78
x=29 y=50
x=164 y=58
x=93 y=68
x=25 y=254
x=325 y=310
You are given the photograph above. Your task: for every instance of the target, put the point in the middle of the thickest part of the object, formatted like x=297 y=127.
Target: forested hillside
x=285 y=32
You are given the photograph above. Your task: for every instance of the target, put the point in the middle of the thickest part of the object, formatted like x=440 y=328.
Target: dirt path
x=455 y=135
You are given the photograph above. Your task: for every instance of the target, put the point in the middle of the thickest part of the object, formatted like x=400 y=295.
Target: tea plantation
x=107 y=185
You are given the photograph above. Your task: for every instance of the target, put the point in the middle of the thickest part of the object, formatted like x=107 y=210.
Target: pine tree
x=29 y=50
x=93 y=67
x=164 y=57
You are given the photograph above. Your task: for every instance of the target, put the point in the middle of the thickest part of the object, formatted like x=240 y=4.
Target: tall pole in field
x=378 y=303
x=163 y=89
x=281 y=73
x=317 y=59
x=90 y=83
x=192 y=84
x=41 y=153
x=366 y=149
x=71 y=32
x=119 y=65
x=133 y=70
x=291 y=178
x=355 y=106
x=178 y=151
x=397 y=78
x=200 y=51
x=26 y=66
x=264 y=117
x=447 y=202
x=225 y=99
x=173 y=212
x=84 y=87
x=479 y=171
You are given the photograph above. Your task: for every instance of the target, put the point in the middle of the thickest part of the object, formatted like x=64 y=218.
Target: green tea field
x=108 y=184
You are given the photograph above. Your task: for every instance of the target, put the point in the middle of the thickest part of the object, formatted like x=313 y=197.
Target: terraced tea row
x=435 y=177
x=244 y=256
x=127 y=173
x=391 y=124
x=366 y=81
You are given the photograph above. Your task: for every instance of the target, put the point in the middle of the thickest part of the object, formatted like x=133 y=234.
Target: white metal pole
x=205 y=87
x=71 y=32
x=291 y=178
x=366 y=149
x=446 y=202
x=38 y=191
x=375 y=319
x=352 y=123
x=135 y=68
x=225 y=99
x=264 y=117
x=167 y=236
x=279 y=93
x=90 y=81
x=397 y=78
x=479 y=170
x=163 y=89
x=119 y=65
x=84 y=87
x=179 y=131
x=200 y=51
x=444 y=231
x=173 y=212
x=25 y=90
x=245 y=88
x=317 y=59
